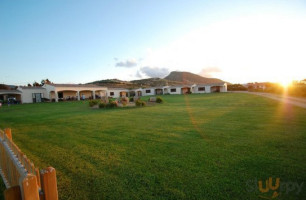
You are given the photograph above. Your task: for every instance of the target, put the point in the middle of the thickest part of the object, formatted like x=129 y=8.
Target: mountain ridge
x=190 y=78
x=174 y=78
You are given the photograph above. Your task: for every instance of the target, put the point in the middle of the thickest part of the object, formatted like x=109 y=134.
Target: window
x=148 y=91
x=173 y=90
x=201 y=89
x=111 y=93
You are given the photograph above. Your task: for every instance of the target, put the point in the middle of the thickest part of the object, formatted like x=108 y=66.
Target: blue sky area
x=81 y=41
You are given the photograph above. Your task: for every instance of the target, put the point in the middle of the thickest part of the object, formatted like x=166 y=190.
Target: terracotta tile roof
x=212 y=84
x=10 y=92
x=75 y=85
x=23 y=87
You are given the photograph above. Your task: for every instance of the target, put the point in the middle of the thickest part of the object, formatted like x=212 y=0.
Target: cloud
x=154 y=72
x=128 y=63
x=209 y=71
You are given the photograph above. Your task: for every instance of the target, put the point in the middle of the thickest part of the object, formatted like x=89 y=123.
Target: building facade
x=70 y=92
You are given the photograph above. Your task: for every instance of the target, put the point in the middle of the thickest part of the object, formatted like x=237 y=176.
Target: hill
x=153 y=82
x=190 y=78
x=174 y=78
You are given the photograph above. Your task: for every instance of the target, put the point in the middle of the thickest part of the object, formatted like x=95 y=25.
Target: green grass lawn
x=209 y=146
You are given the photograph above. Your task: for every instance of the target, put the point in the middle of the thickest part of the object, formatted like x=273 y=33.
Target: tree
x=35 y=84
x=46 y=81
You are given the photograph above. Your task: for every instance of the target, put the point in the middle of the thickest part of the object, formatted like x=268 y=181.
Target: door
x=37 y=97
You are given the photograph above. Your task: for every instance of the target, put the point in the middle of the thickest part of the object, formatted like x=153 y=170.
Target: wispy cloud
x=209 y=71
x=154 y=72
x=128 y=63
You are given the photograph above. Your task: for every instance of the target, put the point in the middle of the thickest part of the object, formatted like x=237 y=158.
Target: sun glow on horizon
x=285 y=83
x=246 y=49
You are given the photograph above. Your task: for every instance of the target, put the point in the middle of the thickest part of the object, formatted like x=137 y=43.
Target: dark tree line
x=43 y=82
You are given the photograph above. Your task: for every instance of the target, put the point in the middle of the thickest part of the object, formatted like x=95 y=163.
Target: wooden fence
x=21 y=178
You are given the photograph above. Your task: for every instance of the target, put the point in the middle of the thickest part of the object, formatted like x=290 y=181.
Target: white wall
x=207 y=89
x=178 y=90
x=152 y=91
x=27 y=94
x=116 y=93
x=136 y=91
x=224 y=88
x=48 y=88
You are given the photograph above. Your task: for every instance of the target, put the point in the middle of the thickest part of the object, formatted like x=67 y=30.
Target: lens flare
x=285 y=83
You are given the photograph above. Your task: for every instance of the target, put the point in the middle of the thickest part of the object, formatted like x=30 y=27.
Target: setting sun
x=285 y=83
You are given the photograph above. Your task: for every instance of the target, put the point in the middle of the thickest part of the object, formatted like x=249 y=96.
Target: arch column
x=56 y=96
x=78 y=95
x=94 y=94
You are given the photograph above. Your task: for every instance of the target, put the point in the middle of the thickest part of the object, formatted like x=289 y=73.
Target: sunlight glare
x=285 y=83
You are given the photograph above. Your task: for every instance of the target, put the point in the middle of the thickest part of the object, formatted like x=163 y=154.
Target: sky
x=72 y=41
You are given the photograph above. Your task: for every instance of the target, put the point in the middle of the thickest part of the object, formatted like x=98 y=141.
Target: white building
x=5 y=95
x=148 y=91
x=58 y=92
x=117 y=92
x=67 y=92
x=32 y=94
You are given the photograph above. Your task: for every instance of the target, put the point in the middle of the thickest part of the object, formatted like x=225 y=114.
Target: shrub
x=131 y=99
x=93 y=102
x=140 y=103
x=125 y=100
x=159 y=100
x=110 y=99
x=102 y=105
x=112 y=104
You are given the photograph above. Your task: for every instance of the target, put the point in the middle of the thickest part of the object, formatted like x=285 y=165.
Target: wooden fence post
x=30 y=188
x=12 y=193
x=20 y=173
x=8 y=133
x=48 y=183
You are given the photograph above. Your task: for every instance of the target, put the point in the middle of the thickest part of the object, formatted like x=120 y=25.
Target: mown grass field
x=209 y=146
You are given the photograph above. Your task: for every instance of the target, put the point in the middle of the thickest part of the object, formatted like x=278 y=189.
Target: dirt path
x=301 y=102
